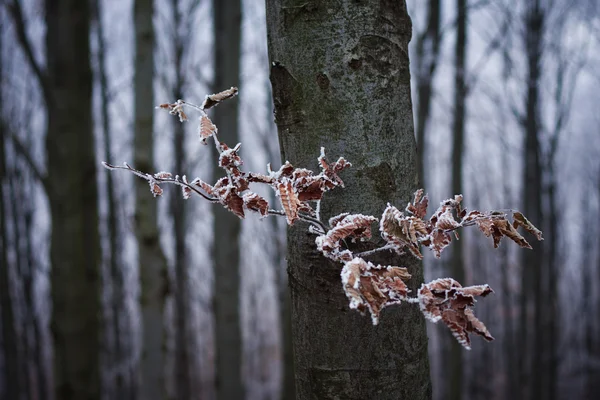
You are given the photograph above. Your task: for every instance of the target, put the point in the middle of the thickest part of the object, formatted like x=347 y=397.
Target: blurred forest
x=108 y=293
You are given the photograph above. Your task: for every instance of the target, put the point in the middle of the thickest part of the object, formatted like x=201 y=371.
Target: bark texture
x=226 y=252
x=75 y=246
x=340 y=77
x=152 y=261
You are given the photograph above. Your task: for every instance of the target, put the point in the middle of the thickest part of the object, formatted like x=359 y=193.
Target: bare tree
x=227 y=17
x=428 y=44
x=151 y=260
x=341 y=79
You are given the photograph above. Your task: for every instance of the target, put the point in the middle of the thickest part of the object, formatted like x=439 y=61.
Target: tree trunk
x=75 y=246
x=10 y=353
x=151 y=260
x=119 y=347
x=457 y=270
x=427 y=52
x=341 y=79
x=530 y=363
x=226 y=252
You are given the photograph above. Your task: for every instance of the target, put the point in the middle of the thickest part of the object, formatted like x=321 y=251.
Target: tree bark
x=75 y=245
x=226 y=253
x=457 y=269
x=341 y=79
x=151 y=259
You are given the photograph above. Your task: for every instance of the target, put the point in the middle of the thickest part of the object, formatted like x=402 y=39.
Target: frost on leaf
x=418 y=207
x=214 y=99
x=206 y=129
x=289 y=200
x=155 y=188
x=402 y=231
x=254 y=202
x=233 y=203
x=175 y=109
x=229 y=157
x=331 y=170
x=353 y=227
x=373 y=287
x=185 y=190
x=445 y=299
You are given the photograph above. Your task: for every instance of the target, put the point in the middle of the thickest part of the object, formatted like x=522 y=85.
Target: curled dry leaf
x=155 y=188
x=418 y=207
x=254 y=202
x=214 y=99
x=206 y=129
x=520 y=220
x=445 y=299
x=186 y=191
x=353 y=227
x=402 y=231
x=289 y=200
x=373 y=287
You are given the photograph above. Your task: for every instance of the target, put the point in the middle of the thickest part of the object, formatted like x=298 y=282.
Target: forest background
x=497 y=85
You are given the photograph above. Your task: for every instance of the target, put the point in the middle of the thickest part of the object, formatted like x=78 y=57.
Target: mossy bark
x=340 y=77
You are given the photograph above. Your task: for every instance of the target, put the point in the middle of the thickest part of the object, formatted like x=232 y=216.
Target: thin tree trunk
x=183 y=378
x=457 y=269
x=12 y=384
x=75 y=245
x=151 y=259
x=341 y=79
x=427 y=52
x=120 y=350
x=226 y=252
x=531 y=289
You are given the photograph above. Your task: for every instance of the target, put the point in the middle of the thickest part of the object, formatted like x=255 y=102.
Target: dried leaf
x=155 y=188
x=186 y=191
x=163 y=175
x=254 y=202
x=206 y=129
x=373 y=287
x=289 y=200
x=234 y=203
x=353 y=226
x=445 y=299
x=402 y=231
x=214 y=99
x=418 y=207
x=520 y=220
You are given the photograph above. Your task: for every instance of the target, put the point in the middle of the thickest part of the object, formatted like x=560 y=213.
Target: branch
x=16 y=13
x=22 y=150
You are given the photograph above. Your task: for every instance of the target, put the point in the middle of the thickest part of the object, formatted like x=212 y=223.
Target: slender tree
x=227 y=15
x=428 y=44
x=457 y=268
x=530 y=363
x=341 y=79
x=151 y=260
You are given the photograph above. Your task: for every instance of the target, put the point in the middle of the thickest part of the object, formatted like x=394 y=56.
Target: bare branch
x=22 y=150
x=16 y=12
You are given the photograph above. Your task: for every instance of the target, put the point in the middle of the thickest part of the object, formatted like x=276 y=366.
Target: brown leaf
x=234 y=203
x=206 y=129
x=254 y=202
x=402 y=231
x=418 y=207
x=373 y=287
x=353 y=226
x=214 y=99
x=445 y=299
x=289 y=200
x=155 y=188
x=520 y=220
